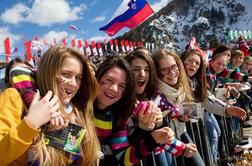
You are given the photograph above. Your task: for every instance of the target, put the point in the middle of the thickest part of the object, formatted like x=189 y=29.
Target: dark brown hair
x=182 y=80
x=200 y=91
x=151 y=86
x=122 y=109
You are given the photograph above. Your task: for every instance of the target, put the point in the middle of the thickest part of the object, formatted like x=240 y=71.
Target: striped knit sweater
x=172 y=112
x=23 y=79
x=114 y=141
x=226 y=73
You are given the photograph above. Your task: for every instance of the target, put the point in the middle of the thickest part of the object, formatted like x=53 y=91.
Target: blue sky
x=52 y=18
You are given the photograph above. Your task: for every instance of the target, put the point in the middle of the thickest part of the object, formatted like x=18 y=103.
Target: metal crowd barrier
x=198 y=133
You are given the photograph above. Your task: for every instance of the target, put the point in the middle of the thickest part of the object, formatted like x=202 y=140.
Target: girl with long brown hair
x=173 y=84
x=64 y=74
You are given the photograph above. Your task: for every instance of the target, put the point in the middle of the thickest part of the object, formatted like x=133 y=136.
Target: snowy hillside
x=208 y=20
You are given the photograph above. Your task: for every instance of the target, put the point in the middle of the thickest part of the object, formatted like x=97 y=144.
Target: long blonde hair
x=82 y=102
x=182 y=80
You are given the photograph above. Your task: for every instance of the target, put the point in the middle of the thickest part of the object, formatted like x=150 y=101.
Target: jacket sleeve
x=130 y=153
x=214 y=105
x=176 y=148
x=15 y=134
x=231 y=74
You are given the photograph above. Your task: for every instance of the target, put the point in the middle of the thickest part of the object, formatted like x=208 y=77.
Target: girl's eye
x=67 y=75
x=110 y=81
x=147 y=70
x=122 y=86
x=136 y=70
x=79 y=78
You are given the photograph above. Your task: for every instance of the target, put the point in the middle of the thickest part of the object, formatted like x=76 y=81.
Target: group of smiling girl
x=129 y=108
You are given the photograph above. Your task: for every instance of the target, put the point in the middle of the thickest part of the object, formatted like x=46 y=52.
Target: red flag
x=123 y=46
x=111 y=44
x=94 y=49
x=194 y=46
x=64 y=41
x=7 y=48
x=100 y=48
x=138 y=44
x=87 y=48
x=79 y=43
x=36 y=38
x=127 y=45
x=116 y=45
x=141 y=44
x=54 y=40
x=243 y=46
x=73 y=43
x=28 y=51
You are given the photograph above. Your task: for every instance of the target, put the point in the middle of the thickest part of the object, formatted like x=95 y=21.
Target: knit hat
x=219 y=50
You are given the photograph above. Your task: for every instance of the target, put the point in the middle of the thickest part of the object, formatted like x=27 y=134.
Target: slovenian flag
x=129 y=14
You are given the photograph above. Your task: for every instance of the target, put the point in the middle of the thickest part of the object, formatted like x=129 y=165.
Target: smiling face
x=141 y=71
x=168 y=70
x=237 y=61
x=69 y=79
x=192 y=64
x=219 y=63
x=113 y=85
x=247 y=64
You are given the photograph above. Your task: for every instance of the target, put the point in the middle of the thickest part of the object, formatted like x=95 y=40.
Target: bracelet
x=145 y=127
x=159 y=124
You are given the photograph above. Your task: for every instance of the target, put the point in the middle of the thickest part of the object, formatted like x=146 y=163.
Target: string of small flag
x=93 y=48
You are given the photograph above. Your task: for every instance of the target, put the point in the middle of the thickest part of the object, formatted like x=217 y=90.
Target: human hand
x=236 y=111
x=42 y=110
x=190 y=150
x=234 y=92
x=235 y=85
x=185 y=118
x=164 y=135
x=57 y=123
x=147 y=115
x=231 y=101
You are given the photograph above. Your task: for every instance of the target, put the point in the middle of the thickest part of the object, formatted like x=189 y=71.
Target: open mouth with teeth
x=191 y=70
x=68 y=92
x=140 y=83
x=109 y=95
